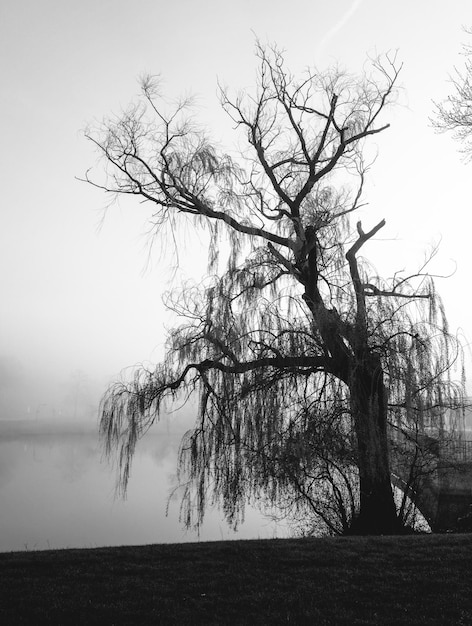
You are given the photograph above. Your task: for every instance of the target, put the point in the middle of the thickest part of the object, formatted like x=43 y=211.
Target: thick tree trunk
x=377 y=513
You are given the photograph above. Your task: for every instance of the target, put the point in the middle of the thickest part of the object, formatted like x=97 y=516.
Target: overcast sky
x=75 y=296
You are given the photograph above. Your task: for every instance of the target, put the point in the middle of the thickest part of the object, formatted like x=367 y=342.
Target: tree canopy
x=303 y=358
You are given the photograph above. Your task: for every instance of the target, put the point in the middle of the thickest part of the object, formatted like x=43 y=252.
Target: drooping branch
x=372 y=290
x=175 y=196
x=302 y=364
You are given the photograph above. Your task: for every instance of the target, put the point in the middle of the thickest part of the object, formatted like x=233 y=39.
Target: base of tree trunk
x=377 y=526
x=377 y=513
x=377 y=519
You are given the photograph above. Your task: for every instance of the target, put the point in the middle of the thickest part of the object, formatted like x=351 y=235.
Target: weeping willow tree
x=298 y=352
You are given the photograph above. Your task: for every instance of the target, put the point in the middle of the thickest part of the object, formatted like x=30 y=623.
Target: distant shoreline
x=56 y=426
x=49 y=426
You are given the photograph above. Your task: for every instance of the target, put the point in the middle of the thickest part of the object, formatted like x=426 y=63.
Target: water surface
x=57 y=491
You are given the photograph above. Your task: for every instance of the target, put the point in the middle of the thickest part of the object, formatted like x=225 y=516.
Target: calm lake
x=57 y=491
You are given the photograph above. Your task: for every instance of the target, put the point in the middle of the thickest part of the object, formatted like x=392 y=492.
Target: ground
x=352 y=580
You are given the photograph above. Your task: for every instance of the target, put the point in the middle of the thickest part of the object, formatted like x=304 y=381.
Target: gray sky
x=79 y=297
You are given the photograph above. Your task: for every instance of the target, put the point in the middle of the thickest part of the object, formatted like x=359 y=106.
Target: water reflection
x=56 y=491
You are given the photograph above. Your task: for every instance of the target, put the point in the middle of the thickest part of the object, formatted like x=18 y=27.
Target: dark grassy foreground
x=384 y=580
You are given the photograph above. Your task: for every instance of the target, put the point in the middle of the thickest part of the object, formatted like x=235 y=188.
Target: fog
x=57 y=492
x=81 y=284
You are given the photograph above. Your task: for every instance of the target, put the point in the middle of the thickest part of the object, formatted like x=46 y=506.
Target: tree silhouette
x=455 y=113
x=299 y=353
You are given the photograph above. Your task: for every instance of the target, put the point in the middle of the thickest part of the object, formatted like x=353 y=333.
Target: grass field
x=372 y=580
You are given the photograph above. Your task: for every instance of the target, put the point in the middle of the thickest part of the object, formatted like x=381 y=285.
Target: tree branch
x=308 y=363
x=354 y=270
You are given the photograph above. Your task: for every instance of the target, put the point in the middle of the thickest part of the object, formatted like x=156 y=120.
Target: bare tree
x=455 y=113
x=294 y=328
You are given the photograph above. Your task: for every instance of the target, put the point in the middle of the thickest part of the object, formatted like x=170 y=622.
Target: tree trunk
x=377 y=513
